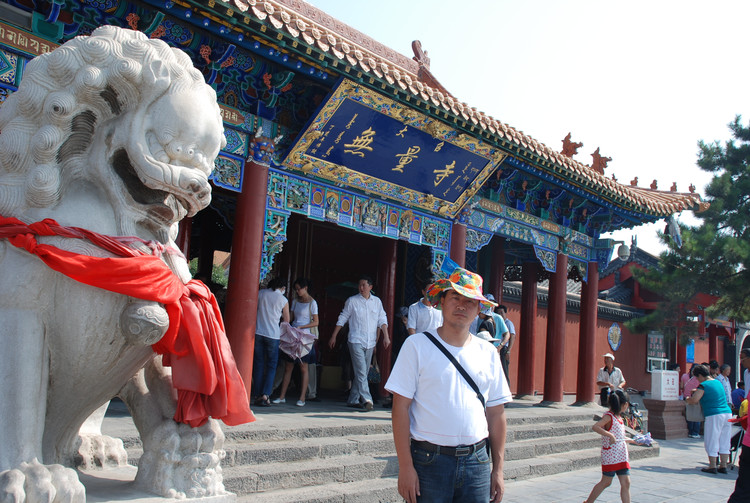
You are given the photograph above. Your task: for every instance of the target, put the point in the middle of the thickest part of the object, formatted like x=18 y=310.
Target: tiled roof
x=301 y=20
x=610 y=309
x=637 y=256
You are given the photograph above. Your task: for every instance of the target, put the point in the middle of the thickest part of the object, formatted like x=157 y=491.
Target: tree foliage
x=714 y=255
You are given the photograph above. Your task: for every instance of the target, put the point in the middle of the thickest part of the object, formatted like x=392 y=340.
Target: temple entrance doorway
x=332 y=258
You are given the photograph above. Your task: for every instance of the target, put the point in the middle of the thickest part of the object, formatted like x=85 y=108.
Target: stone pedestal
x=117 y=485
x=666 y=418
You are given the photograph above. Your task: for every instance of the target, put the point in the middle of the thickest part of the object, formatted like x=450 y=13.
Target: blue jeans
x=694 y=427
x=361 y=358
x=265 y=358
x=447 y=479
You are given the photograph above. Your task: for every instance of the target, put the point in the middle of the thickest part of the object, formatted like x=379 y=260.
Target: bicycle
x=634 y=418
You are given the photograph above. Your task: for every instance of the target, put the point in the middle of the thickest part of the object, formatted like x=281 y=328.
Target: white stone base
x=116 y=484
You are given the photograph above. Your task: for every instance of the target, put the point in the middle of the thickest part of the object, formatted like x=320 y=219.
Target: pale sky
x=641 y=80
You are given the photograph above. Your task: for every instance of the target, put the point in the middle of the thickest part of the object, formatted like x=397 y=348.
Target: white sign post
x=665 y=385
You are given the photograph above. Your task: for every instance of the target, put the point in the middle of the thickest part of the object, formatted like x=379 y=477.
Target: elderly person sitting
x=609 y=379
x=717 y=431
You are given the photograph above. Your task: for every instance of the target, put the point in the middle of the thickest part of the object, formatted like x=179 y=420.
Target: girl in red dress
x=615 y=459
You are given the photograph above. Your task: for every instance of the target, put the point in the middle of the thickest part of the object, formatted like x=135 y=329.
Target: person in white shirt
x=502 y=310
x=422 y=316
x=723 y=378
x=609 y=379
x=366 y=317
x=273 y=308
x=745 y=362
x=444 y=433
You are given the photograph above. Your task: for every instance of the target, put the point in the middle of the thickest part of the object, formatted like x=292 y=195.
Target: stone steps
x=353 y=460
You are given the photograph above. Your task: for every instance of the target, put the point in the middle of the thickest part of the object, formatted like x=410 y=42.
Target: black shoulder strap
x=458 y=366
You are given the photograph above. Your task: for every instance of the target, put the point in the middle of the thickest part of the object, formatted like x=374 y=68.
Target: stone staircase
x=343 y=456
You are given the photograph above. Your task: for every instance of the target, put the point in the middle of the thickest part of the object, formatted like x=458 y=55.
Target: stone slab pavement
x=674 y=476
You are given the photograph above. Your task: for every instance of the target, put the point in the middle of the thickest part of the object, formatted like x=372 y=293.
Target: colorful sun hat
x=464 y=282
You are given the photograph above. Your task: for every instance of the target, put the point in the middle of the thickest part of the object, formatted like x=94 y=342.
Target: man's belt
x=459 y=450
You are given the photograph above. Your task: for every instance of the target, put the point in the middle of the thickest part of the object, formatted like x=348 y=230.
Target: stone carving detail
x=117 y=134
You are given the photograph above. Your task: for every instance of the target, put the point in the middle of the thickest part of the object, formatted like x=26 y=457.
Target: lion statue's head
x=116 y=111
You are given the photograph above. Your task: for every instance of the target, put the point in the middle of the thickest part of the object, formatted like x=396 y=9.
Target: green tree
x=715 y=255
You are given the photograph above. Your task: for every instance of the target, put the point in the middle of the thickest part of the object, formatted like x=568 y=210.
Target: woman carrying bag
x=717 y=432
x=305 y=318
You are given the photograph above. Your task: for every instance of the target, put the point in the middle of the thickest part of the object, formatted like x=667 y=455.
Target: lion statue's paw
x=100 y=451
x=184 y=461
x=36 y=483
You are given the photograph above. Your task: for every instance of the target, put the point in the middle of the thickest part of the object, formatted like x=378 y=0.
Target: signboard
x=665 y=385
x=690 y=352
x=656 y=346
x=366 y=141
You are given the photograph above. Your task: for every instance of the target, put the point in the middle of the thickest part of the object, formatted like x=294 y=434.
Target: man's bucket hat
x=464 y=282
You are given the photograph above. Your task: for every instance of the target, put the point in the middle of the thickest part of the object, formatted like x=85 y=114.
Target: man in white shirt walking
x=366 y=317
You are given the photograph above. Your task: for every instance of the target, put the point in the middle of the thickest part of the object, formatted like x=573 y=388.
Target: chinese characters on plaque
x=373 y=143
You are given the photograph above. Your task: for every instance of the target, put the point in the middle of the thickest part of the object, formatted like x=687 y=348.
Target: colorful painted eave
x=316 y=29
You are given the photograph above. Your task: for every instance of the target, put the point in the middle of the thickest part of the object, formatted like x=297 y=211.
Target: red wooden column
x=526 y=337
x=587 y=365
x=244 y=267
x=497 y=268
x=713 y=344
x=458 y=244
x=387 y=289
x=555 y=347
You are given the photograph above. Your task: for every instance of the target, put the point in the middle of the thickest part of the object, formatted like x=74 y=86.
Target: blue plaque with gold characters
x=366 y=141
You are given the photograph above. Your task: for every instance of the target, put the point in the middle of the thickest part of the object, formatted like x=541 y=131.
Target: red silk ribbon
x=195 y=345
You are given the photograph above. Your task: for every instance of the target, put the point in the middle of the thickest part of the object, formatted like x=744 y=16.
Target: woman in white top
x=304 y=316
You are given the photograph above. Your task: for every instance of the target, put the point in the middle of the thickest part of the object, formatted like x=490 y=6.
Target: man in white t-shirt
x=437 y=416
x=273 y=308
x=423 y=316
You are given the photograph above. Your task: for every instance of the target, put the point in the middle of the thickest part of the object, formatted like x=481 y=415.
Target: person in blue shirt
x=717 y=428
x=738 y=395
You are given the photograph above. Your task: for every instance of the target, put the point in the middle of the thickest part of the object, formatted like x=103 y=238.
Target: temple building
x=344 y=158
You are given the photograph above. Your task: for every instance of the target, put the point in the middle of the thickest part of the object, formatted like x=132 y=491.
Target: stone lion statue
x=115 y=134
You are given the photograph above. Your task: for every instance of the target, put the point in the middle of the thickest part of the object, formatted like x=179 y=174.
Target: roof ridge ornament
x=424 y=75
x=570 y=148
x=600 y=162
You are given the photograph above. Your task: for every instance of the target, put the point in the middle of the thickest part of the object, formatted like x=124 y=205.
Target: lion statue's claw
x=34 y=482
x=100 y=451
x=179 y=461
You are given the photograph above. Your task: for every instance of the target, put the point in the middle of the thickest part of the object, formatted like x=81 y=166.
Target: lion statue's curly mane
x=117 y=134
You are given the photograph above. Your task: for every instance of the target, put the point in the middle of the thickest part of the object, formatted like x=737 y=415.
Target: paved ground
x=673 y=476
